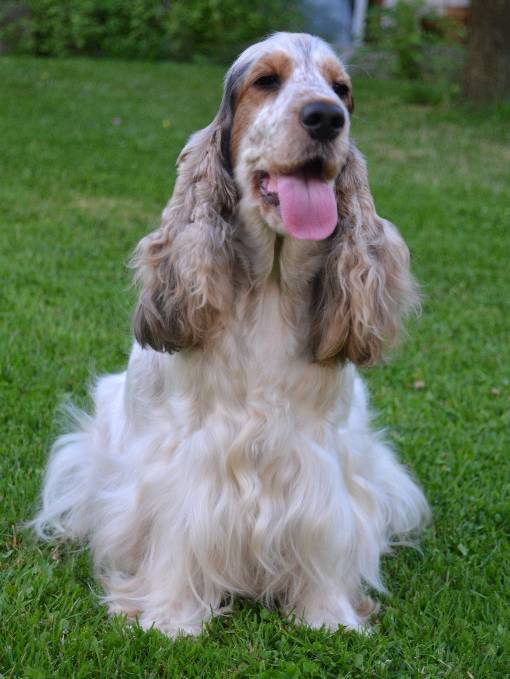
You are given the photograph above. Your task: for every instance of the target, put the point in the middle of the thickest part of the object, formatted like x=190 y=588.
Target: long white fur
x=244 y=470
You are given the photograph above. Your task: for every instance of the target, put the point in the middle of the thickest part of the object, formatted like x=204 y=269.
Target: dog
x=235 y=456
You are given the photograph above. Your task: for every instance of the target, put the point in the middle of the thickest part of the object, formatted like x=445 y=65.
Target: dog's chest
x=257 y=371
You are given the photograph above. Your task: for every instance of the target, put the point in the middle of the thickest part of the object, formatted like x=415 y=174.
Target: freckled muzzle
x=291 y=138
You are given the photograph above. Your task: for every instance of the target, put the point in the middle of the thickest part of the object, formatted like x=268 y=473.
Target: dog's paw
x=129 y=612
x=172 y=628
x=337 y=613
x=333 y=621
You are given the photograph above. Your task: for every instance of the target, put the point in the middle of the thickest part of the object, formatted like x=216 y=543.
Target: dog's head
x=290 y=132
x=278 y=154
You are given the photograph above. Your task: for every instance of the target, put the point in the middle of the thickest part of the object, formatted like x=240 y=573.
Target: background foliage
x=151 y=29
x=420 y=45
x=220 y=29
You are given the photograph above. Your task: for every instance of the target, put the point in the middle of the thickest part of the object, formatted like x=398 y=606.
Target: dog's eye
x=340 y=89
x=267 y=82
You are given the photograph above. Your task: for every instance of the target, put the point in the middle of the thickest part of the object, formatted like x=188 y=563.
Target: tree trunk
x=487 y=73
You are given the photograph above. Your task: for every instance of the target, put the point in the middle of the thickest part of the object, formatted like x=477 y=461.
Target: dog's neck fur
x=276 y=270
x=284 y=268
x=283 y=271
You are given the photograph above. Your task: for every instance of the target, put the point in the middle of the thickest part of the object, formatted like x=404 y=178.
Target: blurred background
x=451 y=47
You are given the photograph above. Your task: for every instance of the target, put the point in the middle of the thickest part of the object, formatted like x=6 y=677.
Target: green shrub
x=110 y=27
x=220 y=29
x=398 y=29
x=152 y=29
x=408 y=31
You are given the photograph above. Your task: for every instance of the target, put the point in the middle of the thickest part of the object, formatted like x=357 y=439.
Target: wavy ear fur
x=185 y=268
x=365 y=286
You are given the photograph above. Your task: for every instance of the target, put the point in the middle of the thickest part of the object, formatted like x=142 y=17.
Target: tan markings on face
x=251 y=97
x=334 y=73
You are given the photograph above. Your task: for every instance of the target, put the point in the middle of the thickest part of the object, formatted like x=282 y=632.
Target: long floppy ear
x=185 y=268
x=365 y=286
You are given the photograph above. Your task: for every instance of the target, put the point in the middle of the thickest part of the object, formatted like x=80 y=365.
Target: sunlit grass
x=87 y=152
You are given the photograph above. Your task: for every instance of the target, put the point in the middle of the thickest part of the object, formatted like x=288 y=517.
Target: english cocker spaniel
x=235 y=456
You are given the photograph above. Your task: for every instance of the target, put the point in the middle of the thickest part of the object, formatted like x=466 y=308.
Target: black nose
x=321 y=120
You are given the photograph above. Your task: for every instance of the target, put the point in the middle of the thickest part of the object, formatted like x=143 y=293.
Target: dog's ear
x=365 y=286
x=185 y=268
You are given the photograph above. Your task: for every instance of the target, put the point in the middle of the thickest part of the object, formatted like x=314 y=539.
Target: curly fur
x=365 y=287
x=235 y=456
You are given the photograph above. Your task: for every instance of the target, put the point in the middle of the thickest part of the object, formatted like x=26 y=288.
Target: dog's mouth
x=304 y=198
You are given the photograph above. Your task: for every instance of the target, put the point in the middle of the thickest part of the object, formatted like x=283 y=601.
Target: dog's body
x=244 y=463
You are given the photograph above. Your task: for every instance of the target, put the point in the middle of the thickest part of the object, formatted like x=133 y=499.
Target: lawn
x=87 y=162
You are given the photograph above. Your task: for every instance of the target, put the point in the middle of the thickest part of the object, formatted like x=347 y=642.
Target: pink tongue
x=308 y=206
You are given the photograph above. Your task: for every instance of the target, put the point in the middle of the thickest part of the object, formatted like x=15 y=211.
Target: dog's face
x=276 y=159
x=291 y=101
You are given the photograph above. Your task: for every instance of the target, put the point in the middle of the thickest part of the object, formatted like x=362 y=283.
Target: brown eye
x=341 y=90
x=268 y=82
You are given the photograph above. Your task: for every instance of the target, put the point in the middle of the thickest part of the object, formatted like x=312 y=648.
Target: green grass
x=77 y=192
